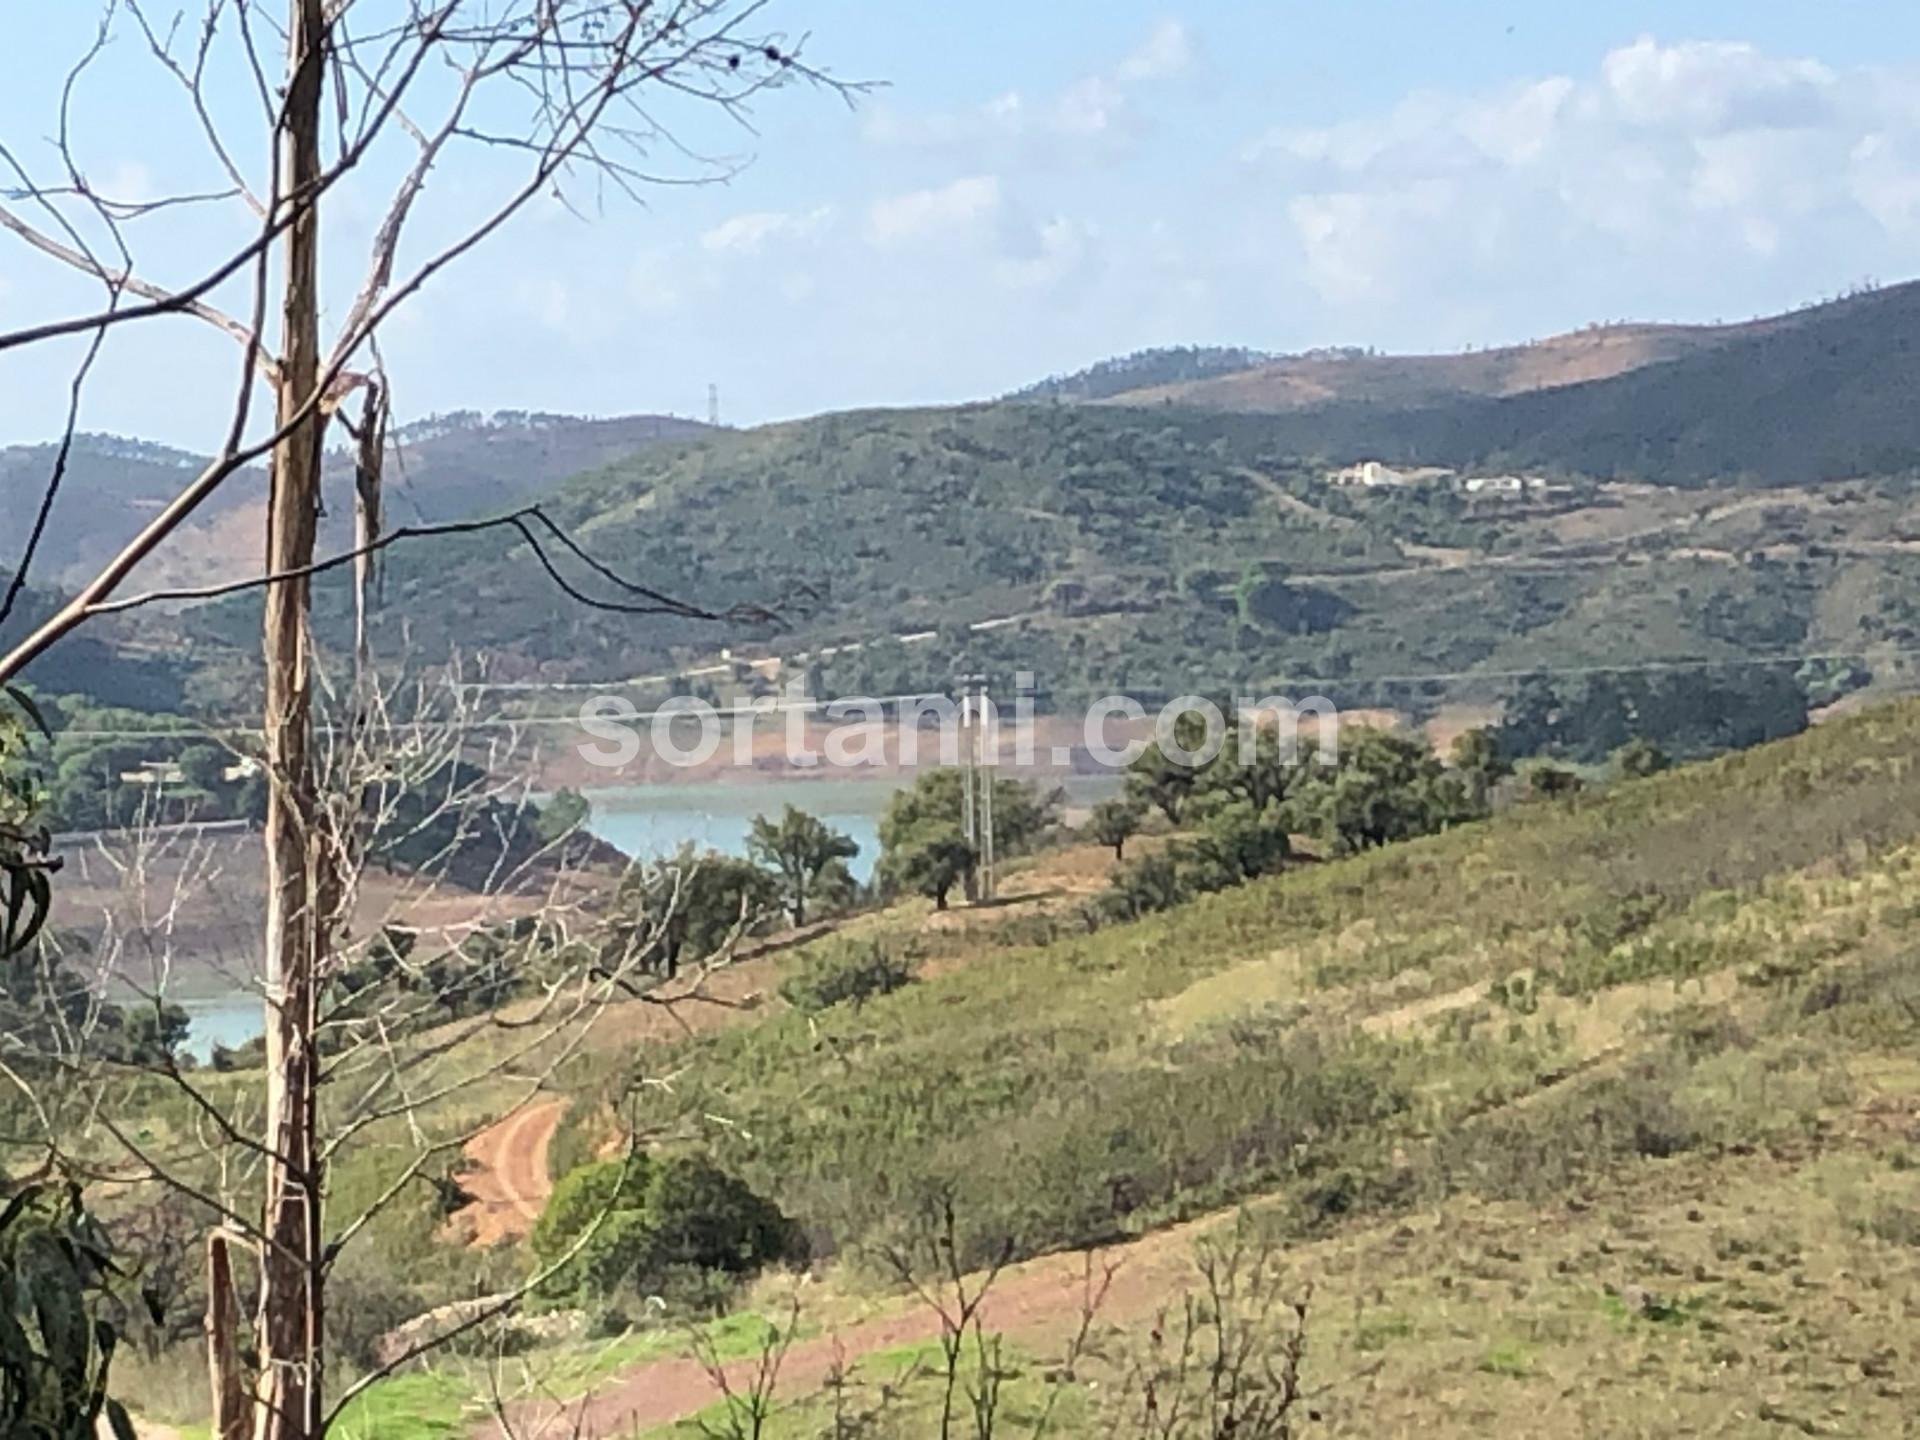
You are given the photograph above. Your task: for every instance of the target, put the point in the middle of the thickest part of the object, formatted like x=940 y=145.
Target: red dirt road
x=509 y=1182
x=1037 y=1303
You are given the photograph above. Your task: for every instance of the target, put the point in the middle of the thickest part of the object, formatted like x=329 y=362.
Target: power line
x=1298 y=682
x=509 y=722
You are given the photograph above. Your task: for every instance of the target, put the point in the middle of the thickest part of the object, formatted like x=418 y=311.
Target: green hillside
x=1621 y=1080
x=1159 y=551
x=1385 y=1005
x=441 y=468
x=1705 y=516
x=873 y=524
x=105 y=662
x=109 y=487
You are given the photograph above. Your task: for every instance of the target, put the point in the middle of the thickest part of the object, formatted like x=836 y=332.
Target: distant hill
x=449 y=466
x=106 y=660
x=1170 y=367
x=1173 y=547
x=442 y=468
x=1824 y=394
x=1821 y=394
x=111 y=487
x=1289 y=383
x=867 y=523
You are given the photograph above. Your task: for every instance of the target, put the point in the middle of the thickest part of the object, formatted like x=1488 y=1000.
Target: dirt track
x=1037 y=1303
x=508 y=1175
x=509 y=1182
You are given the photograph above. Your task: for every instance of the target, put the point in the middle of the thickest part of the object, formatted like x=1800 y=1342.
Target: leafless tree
x=931 y=1265
x=1224 y=1362
x=411 y=1016
x=972 y=1365
x=748 y=1406
x=579 y=94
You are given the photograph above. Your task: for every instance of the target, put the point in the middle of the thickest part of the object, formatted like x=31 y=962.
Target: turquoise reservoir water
x=649 y=821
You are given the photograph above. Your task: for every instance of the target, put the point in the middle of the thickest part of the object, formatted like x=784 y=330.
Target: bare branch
x=124 y=280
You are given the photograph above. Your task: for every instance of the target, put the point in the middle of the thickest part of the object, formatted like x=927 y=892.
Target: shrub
x=1149 y=884
x=607 y=1197
x=711 y=1220
x=1639 y=758
x=367 y=1298
x=1895 y=1224
x=1239 y=841
x=686 y=908
x=1553 y=782
x=638 y=1222
x=847 y=974
x=1114 y=822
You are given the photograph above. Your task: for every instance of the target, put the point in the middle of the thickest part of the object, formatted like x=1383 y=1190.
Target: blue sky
x=1043 y=184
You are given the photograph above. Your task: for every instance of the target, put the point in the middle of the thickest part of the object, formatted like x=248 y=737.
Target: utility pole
x=989 y=743
x=976 y=785
x=969 y=820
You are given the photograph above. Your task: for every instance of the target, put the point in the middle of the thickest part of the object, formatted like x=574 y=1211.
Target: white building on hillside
x=1505 y=485
x=1372 y=474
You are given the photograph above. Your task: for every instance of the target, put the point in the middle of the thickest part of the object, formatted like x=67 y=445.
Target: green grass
x=1510 y=1358
x=431 y=1406
x=440 y=1403
x=902 y=1386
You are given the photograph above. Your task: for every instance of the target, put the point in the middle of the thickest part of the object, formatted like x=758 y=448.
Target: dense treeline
x=1142 y=370
x=1239 y=810
x=1688 y=712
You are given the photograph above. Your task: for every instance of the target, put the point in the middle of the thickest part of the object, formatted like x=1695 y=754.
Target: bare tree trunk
x=223 y=1356
x=291 y=1314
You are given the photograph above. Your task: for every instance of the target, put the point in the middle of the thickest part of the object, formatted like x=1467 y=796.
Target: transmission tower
x=713 y=405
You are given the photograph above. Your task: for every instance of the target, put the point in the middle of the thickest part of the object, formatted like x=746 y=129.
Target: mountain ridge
x=441 y=467
x=1248 y=380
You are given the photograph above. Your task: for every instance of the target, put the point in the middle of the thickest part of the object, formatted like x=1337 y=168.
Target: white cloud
x=752 y=233
x=1675 y=160
x=899 y=218
x=1355 y=240
x=1168 y=50
x=129 y=183
x=1515 y=129
x=1097 y=107
x=1045 y=255
x=1883 y=175
x=1707 y=87
x=1088 y=107
x=554 y=305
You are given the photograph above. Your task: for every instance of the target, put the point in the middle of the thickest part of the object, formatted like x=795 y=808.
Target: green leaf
x=29 y=892
x=26 y=703
x=17 y=1205
x=16 y=877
